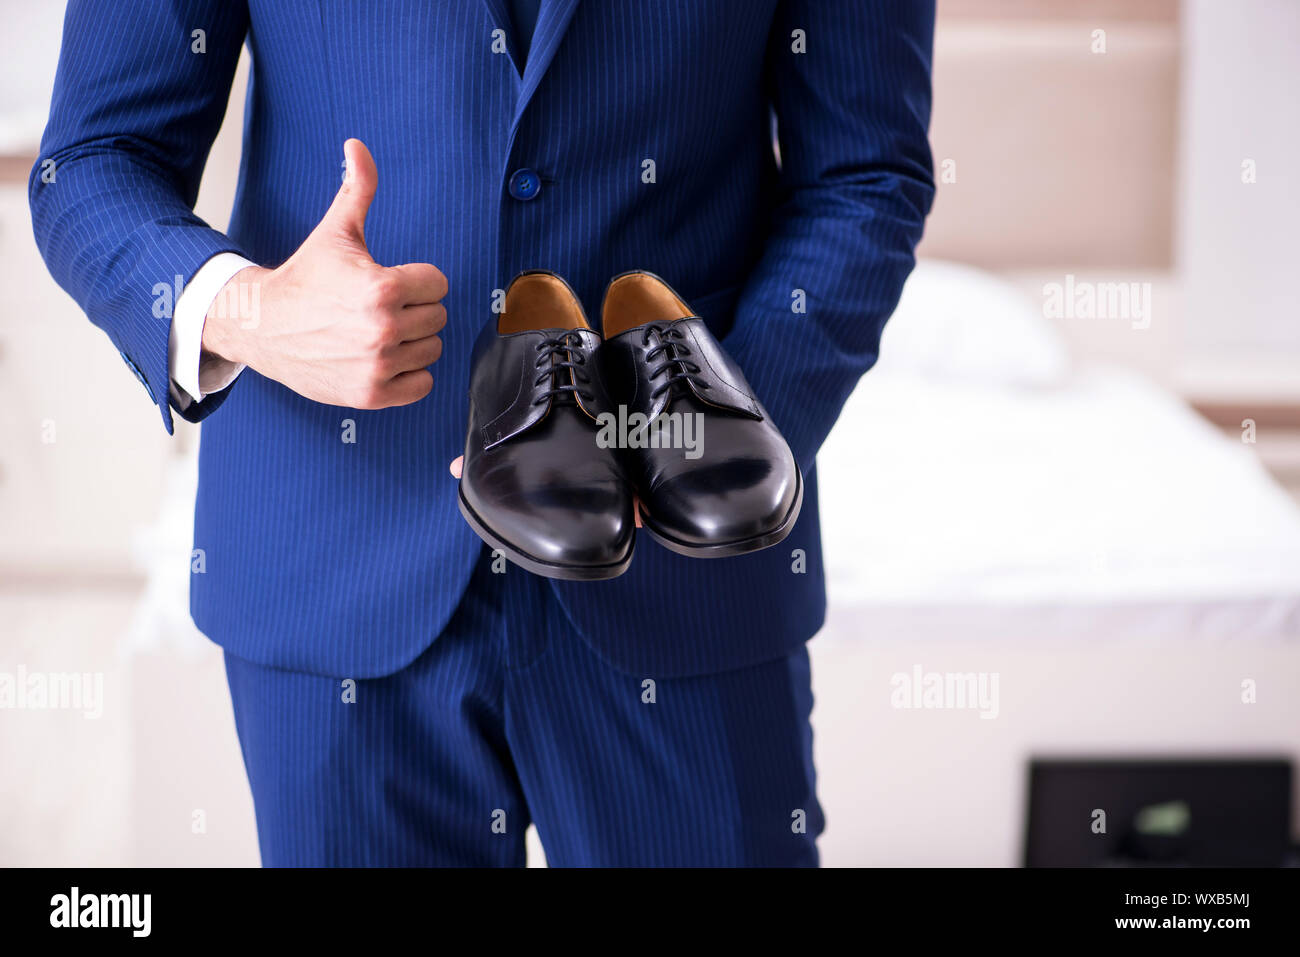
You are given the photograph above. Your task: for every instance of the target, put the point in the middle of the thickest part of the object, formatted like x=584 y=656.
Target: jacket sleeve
x=139 y=96
x=850 y=83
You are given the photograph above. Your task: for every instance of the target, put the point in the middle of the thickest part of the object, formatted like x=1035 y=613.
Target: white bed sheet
x=1103 y=490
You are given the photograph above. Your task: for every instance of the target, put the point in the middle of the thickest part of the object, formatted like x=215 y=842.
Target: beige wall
x=1239 y=242
x=1048 y=153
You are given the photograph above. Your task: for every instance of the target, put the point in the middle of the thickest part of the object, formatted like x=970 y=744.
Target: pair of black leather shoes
x=566 y=426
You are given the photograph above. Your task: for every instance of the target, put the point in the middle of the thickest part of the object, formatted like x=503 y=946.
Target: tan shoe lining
x=636 y=299
x=540 y=301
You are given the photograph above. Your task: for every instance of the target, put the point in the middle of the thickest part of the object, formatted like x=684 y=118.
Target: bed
x=984 y=473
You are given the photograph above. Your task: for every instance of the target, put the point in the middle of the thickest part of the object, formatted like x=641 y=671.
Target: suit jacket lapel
x=499 y=14
x=552 y=20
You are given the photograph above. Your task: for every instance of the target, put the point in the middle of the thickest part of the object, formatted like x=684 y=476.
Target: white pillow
x=960 y=323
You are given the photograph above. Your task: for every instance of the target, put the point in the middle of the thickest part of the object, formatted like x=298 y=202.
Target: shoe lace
x=673 y=352
x=555 y=354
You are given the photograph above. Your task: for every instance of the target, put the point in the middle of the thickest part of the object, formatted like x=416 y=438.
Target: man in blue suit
x=402 y=697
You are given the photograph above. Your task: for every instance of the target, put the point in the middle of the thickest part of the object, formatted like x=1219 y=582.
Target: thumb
x=347 y=214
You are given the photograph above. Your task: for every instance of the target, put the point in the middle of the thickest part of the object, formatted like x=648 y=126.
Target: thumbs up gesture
x=331 y=323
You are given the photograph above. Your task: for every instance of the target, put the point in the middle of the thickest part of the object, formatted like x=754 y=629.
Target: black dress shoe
x=738 y=489
x=535 y=483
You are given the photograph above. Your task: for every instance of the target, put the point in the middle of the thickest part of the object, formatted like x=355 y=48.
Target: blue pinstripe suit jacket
x=348 y=558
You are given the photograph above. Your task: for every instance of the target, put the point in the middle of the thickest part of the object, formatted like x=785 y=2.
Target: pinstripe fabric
x=508 y=718
x=349 y=558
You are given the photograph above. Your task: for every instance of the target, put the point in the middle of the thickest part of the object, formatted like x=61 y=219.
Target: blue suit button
x=138 y=374
x=525 y=184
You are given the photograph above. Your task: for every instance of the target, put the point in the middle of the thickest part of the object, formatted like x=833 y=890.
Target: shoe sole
x=728 y=549
x=574 y=573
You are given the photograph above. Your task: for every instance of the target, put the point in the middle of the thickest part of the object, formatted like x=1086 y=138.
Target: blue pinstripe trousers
x=509 y=717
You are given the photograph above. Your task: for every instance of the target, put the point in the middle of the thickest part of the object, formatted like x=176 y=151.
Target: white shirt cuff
x=194 y=373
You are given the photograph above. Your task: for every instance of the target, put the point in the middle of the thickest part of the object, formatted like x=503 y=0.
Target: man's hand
x=331 y=323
